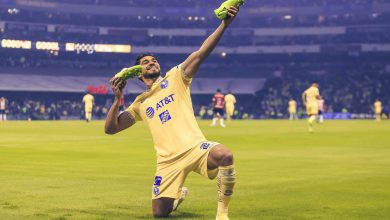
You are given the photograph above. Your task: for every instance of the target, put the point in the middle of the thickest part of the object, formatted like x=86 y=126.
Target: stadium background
x=52 y=51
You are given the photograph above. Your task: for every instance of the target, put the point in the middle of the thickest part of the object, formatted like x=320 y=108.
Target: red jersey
x=219 y=101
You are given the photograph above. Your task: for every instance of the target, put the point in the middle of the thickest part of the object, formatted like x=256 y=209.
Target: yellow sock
x=88 y=116
x=225 y=182
x=312 y=119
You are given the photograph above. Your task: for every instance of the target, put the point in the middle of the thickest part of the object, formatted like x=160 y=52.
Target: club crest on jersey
x=150 y=112
x=164 y=84
x=204 y=146
x=165 y=116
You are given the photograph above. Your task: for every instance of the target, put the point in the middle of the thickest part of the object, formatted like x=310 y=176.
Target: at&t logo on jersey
x=164 y=84
x=150 y=112
x=165 y=116
x=165 y=101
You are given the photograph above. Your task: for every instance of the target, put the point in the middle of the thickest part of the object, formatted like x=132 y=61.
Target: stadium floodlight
x=13 y=11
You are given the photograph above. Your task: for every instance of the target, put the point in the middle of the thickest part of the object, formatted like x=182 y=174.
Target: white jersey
x=321 y=105
x=2 y=104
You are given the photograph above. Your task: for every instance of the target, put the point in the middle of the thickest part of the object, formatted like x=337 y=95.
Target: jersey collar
x=159 y=79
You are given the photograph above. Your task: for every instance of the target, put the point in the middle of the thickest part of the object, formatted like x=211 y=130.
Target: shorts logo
x=156 y=191
x=164 y=84
x=204 y=146
x=165 y=116
x=150 y=112
x=157 y=181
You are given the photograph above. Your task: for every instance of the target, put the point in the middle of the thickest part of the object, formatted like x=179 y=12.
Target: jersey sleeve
x=317 y=92
x=185 y=79
x=133 y=109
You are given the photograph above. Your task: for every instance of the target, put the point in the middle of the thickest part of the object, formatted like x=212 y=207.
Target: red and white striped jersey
x=219 y=100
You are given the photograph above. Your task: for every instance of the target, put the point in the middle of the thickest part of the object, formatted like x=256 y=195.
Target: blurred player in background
x=181 y=147
x=378 y=109
x=292 y=109
x=230 y=100
x=321 y=103
x=218 y=108
x=3 y=109
x=88 y=101
x=310 y=99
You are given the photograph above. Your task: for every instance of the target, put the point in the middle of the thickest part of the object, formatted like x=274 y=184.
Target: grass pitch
x=72 y=170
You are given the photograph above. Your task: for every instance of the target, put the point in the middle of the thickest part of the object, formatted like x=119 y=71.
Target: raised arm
x=192 y=63
x=116 y=122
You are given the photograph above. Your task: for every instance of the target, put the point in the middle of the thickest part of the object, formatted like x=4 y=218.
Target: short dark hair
x=218 y=90
x=138 y=60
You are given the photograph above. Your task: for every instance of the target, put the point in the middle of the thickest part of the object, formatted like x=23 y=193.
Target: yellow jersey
x=311 y=95
x=88 y=101
x=292 y=106
x=378 y=107
x=166 y=107
x=230 y=100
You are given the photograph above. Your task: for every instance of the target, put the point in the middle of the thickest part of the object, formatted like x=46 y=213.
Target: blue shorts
x=218 y=111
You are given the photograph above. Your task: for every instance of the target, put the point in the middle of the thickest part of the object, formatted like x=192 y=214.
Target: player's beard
x=152 y=75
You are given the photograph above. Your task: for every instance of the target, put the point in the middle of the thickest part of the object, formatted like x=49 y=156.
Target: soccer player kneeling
x=181 y=147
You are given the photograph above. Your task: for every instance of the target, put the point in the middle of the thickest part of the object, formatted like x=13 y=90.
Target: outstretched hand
x=117 y=85
x=231 y=14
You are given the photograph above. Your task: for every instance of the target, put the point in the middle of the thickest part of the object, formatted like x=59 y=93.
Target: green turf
x=72 y=170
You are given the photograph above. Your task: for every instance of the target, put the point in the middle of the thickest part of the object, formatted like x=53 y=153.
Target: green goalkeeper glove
x=132 y=72
x=222 y=12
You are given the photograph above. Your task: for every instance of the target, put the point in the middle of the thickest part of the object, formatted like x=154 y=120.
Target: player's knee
x=227 y=158
x=220 y=156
